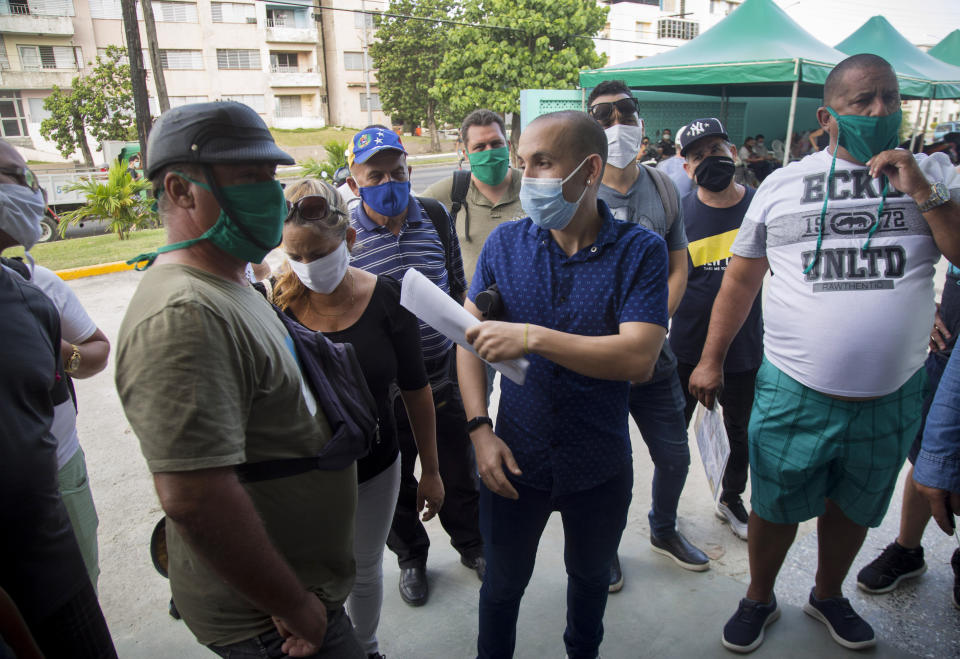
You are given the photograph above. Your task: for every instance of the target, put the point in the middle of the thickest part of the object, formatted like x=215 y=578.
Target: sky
x=922 y=22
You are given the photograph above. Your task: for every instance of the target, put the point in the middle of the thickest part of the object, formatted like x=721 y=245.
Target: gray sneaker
x=734 y=514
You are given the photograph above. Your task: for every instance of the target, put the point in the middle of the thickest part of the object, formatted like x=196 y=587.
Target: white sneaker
x=734 y=514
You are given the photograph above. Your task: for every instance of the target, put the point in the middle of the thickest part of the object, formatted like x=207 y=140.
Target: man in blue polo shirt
x=585 y=299
x=395 y=233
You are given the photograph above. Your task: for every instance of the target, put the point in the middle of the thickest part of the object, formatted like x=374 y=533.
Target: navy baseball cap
x=697 y=130
x=370 y=141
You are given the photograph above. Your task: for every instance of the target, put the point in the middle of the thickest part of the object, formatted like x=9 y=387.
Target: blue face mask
x=542 y=199
x=389 y=199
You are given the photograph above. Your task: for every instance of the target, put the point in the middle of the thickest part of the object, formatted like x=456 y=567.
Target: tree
x=99 y=105
x=406 y=54
x=524 y=44
x=119 y=198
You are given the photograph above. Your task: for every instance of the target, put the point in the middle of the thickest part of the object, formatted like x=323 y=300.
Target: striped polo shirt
x=418 y=246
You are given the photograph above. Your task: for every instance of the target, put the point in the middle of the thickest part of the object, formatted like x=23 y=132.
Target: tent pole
x=793 y=112
x=724 y=104
x=926 y=121
x=583 y=99
x=916 y=126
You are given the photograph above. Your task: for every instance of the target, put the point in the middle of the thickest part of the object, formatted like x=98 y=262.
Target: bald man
x=585 y=300
x=852 y=233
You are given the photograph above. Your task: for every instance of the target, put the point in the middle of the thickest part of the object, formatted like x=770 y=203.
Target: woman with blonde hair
x=322 y=292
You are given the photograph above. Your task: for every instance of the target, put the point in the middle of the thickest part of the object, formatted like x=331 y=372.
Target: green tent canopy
x=948 y=50
x=758 y=48
x=920 y=74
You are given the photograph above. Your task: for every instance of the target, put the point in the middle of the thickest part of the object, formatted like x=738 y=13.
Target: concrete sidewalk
x=663 y=611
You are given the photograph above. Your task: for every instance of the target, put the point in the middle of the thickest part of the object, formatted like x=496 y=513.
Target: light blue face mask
x=542 y=199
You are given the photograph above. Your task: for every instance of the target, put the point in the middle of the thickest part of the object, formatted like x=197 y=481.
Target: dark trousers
x=458 y=516
x=77 y=630
x=736 y=397
x=657 y=409
x=593 y=522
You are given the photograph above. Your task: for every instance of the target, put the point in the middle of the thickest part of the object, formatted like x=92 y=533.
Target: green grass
x=321 y=136
x=93 y=250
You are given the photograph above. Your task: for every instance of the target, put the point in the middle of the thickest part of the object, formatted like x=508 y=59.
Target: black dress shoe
x=478 y=563
x=413 y=585
x=681 y=551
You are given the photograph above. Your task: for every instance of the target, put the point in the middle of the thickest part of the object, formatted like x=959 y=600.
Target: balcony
x=289 y=76
x=39 y=79
x=18 y=19
x=282 y=31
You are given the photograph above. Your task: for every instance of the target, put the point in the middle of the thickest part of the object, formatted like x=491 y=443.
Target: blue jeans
x=657 y=407
x=593 y=521
x=339 y=643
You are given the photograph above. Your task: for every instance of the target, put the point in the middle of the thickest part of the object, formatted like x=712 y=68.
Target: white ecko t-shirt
x=858 y=324
x=75 y=327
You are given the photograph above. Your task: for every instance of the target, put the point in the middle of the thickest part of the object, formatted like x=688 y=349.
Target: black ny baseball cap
x=697 y=130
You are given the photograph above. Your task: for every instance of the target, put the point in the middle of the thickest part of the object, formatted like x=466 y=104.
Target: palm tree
x=119 y=199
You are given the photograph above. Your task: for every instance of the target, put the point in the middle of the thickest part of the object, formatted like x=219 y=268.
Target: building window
x=37 y=7
x=36 y=58
x=37 y=111
x=284 y=63
x=360 y=20
x=177 y=101
x=374 y=102
x=238 y=59
x=105 y=9
x=289 y=106
x=255 y=101
x=354 y=61
x=182 y=59
x=173 y=12
x=13 y=123
x=672 y=28
x=232 y=12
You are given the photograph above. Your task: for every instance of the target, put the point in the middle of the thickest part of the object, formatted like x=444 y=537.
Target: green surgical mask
x=490 y=166
x=863 y=138
x=252 y=228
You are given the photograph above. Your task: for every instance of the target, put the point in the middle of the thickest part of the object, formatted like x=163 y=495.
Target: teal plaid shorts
x=806 y=447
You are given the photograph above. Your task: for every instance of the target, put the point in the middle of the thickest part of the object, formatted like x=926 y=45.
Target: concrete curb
x=93 y=270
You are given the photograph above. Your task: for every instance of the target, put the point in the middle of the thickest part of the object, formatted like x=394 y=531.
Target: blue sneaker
x=844 y=624
x=744 y=631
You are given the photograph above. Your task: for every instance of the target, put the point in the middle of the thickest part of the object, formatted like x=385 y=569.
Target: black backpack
x=441 y=222
x=458 y=195
x=337 y=382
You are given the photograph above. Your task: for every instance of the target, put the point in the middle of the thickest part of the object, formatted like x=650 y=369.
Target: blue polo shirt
x=568 y=432
x=417 y=246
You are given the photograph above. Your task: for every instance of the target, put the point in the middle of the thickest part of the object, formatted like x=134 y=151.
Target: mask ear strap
x=883 y=202
x=823 y=214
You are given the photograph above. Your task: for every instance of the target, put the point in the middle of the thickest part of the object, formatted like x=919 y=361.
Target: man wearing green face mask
x=493 y=195
x=209 y=381
x=852 y=234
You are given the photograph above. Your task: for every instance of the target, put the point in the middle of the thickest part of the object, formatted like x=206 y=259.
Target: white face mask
x=21 y=210
x=623 y=144
x=324 y=274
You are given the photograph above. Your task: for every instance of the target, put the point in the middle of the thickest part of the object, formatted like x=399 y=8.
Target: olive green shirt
x=208 y=378
x=484 y=214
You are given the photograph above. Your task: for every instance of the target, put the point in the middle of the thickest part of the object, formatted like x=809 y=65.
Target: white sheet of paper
x=713 y=444
x=429 y=303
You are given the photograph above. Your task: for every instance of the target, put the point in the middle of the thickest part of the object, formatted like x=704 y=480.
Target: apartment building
x=640 y=28
x=269 y=56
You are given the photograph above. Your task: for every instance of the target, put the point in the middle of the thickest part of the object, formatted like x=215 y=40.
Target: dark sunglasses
x=311 y=208
x=24 y=175
x=603 y=112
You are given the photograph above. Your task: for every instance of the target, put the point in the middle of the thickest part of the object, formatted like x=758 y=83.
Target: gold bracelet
x=526 y=328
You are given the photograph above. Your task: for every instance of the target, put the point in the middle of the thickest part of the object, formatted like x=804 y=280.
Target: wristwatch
x=939 y=195
x=73 y=363
x=478 y=421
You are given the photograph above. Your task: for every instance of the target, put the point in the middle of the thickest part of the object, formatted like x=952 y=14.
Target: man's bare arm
x=676 y=279
x=94 y=352
x=741 y=285
x=214 y=514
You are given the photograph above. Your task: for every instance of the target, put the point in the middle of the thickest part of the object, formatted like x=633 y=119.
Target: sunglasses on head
x=311 y=208
x=603 y=112
x=23 y=175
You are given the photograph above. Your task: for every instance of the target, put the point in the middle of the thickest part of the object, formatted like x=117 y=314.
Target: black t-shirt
x=711 y=231
x=40 y=563
x=950 y=311
x=387 y=342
